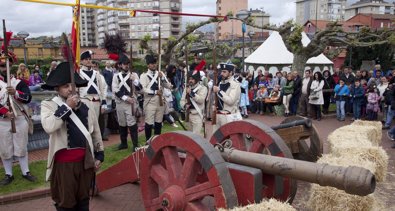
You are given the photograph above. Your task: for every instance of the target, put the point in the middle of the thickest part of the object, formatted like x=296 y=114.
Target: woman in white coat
x=316 y=98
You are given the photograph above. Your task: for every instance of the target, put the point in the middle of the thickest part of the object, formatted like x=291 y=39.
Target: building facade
x=135 y=28
x=260 y=18
x=369 y=7
x=329 y=10
x=232 y=28
x=106 y=20
x=88 y=27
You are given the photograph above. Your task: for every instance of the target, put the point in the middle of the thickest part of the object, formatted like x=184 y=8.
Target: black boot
x=134 y=135
x=7 y=180
x=158 y=128
x=65 y=209
x=123 y=131
x=148 y=131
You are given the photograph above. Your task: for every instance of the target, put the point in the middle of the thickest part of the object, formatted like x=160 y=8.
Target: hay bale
x=271 y=204
x=346 y=160
x=377 y=155
x=376 y=124
x=369 y=131
x=340 y=139
x=329 y=198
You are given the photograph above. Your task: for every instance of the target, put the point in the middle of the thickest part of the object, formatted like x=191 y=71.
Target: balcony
x=101 y=29
x=174 y=8
x=100 y=17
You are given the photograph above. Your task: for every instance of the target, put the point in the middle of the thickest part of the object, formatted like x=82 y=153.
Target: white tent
x=274 y=53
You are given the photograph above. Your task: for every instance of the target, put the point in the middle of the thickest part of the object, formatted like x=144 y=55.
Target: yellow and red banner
x=75 y=34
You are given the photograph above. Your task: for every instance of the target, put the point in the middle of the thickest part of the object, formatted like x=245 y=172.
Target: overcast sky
x=39 y=19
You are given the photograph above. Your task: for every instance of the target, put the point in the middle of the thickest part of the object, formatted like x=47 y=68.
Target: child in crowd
x=364 y=84
x=274 y=98
x=252 y=95
x=260 y=99
x=357 y=95
x=373 y=107
x=341 y=93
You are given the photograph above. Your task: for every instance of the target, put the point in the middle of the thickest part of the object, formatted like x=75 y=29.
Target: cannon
x=183 y=171
x=299 y=134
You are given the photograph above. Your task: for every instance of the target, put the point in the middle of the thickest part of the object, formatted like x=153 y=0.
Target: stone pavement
x=128 y=197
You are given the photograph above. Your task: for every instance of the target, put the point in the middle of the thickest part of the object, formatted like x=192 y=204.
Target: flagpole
x=77 y=31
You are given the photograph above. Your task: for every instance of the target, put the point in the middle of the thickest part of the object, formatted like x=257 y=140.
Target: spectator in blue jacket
x=357 y=94
x=341 y=94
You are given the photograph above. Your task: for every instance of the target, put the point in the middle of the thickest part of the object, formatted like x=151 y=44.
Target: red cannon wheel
x=261 y=139
x=310 y=148
x=182 y=171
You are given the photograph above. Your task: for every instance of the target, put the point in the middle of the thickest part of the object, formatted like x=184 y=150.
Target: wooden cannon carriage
x=183 y=171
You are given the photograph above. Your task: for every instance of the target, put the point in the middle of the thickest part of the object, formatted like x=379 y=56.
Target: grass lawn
x=38 y=168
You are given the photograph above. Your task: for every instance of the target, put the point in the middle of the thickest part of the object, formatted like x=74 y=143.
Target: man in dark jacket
x=297 y=92
x=305 y=92
x=357 y=94
x=329 y=85
x=348 y=79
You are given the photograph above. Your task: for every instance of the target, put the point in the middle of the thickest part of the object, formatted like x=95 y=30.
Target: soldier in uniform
x=122 y=87
x=197 y=94
x=95 y=93
x=13 y=144
x=75 y=143
x=152 y=83
x=228 y=93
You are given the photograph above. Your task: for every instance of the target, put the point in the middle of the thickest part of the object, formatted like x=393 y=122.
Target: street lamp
x=24 y=35
x=243 y=15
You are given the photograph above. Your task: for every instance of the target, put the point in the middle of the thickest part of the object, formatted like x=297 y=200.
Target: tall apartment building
x=132 y=29
x=329 y=10
x=369 y=7
x=230 y=28
x=88 y=27
x=106 y=20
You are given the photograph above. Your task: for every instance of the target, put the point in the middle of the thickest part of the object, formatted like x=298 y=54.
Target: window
x=382 y=25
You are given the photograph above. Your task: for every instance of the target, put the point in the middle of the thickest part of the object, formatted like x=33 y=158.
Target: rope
x=136 y=157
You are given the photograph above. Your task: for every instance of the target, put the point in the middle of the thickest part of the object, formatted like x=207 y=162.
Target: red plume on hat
x=8 y=36
x=199 y=67
x=115 y=46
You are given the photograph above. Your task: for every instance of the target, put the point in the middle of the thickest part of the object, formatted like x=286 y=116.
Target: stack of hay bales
x=353 y=145
x=271 y=204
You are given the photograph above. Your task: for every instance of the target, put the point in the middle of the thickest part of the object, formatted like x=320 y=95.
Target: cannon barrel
x=305 y=122
x=353 y=180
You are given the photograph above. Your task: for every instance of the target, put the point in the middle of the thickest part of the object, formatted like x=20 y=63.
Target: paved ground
x=127 y=197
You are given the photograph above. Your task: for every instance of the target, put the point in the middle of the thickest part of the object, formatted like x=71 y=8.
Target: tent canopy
x=274 y=52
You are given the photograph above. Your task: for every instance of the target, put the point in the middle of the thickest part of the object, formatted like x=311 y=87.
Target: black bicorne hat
x=61 y=76
x=150 y=59
x=86 y=55
x=228 y=67
x=195 y=75
x=123 y=59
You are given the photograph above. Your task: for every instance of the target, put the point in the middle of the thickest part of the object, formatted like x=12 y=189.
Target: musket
x=131 y=84
x=215 y=82
x=71 y=62
x=159 y=68
x=9 y=101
